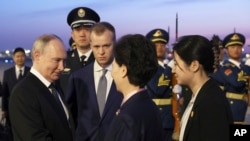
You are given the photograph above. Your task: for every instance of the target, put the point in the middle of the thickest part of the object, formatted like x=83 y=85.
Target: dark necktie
x=101 y=91
x=55 y=94
x=82 y=60
x=20 y=76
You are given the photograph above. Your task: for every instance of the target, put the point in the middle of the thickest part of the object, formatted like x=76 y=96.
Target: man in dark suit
x=1 y=89
x=80 y=19
x=37 y=108
x=95 y=110
x=11 y=77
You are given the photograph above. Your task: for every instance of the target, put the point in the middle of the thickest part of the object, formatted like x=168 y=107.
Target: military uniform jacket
x=138 y=119
x=210 y=117
x=233 y=79
x=160 y=88
x=82 y=99
x=35 y=115
x=235 y=83
x=72 y=63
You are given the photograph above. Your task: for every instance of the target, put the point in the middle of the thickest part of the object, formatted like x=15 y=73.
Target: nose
x=101 y=50
x=61 y=65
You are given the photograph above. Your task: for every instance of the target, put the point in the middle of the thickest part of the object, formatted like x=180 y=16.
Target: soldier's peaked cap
x=234 y=39
x=158 y=35
x=82 y=16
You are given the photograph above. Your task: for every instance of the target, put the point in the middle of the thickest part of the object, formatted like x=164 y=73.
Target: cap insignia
x=81 y=13
x=157 y=33
x=235 y=37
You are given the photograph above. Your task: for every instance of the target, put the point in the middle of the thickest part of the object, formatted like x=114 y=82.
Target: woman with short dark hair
x=138 y=118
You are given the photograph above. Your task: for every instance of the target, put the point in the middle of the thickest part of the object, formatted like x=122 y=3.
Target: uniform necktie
x=101 y=91
x=82 y=60
x=20 y=74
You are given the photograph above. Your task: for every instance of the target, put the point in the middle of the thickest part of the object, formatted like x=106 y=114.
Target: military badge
x=227 y=72
x=157 y=33
x=81 y=13
x=66 y=71
x=235 y=37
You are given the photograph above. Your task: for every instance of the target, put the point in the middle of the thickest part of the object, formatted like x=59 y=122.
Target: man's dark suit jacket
x=210 y=117
x=9 y=81
x=72 y=63
x=81 y=97
x=35 y=114
x=138 y=120
x=1 y=89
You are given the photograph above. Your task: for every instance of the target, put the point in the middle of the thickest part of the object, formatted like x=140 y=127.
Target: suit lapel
x=13 y=77
x=71 y=121
x=26 y=70
x=92 y=89
x=90 y=59
x=45 y=92
x=111 y=98
x=193 y=113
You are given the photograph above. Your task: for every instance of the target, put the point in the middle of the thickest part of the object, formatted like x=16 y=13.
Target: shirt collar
x=98 y=68
x=17 y=68
x=87 y=54
x=39 y=76
x=161 y=63
x=234 y=62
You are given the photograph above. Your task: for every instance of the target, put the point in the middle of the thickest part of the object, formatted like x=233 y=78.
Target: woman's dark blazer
x=210 y=117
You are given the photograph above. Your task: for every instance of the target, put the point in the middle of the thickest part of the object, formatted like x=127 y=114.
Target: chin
x=55 y=78
x=180 y=82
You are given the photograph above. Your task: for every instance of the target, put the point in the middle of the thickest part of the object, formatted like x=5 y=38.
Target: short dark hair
x=138 y=54
x=18 y=49
x=196 y=47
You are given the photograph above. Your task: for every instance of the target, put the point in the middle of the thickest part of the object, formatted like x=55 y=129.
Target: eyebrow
x=177 y=64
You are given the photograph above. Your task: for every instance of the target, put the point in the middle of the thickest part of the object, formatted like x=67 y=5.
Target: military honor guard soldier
x=160 y=85
x=233 y=75
x=80 y=20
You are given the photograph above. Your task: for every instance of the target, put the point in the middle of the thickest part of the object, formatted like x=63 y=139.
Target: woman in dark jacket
x=207 y=116
x=138 y=118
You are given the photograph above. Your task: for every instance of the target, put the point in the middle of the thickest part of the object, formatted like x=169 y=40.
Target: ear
x=123 y=71
x=36 y=54
x=195 y=66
